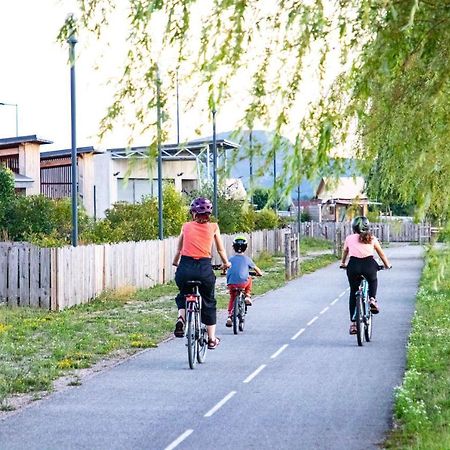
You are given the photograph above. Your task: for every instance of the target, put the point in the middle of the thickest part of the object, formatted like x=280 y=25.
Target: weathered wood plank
x=13 y=276
x=35 y=278
x=45 y=276
x=4 y=251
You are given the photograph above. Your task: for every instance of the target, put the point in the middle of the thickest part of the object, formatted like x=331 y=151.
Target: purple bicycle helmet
x=201 y=205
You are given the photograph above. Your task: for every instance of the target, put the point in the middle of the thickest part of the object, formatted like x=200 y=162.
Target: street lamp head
x=72 y=28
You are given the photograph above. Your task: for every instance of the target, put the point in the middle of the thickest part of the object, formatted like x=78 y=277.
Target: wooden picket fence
x=59 y=278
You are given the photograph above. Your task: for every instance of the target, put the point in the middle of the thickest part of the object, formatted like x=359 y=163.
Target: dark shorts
x=191 y=269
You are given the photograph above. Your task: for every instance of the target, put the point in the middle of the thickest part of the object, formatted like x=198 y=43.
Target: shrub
x=137 y=222
x=266 y=219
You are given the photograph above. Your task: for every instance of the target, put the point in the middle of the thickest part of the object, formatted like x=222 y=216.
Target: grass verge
x=37 y=347
x=422 y=402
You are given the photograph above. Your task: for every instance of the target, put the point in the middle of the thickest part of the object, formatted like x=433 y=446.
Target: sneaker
x=248 y=301
x=229 y=322
x=353 y=329
x=179 y=328
x=374 y=308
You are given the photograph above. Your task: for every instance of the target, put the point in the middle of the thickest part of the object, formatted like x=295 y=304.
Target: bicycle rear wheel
x=236 y=314
x=202 y=343
x=191 y=341
x=242 y=312
x=359 y=320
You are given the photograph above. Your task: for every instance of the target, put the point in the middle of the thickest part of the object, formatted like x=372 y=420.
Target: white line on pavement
x=178 y=440
x=312 y=321
x=343 y=293
x=334 y=301
x=281 y=349
x=253 y=375
x=296 y=335
x=220 y=404
x=324 y=310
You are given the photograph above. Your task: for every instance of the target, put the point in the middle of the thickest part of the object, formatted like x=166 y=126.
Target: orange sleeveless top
x=198 y=239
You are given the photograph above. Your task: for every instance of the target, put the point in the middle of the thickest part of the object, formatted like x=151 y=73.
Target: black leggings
x=191 y=269
x=355 y=268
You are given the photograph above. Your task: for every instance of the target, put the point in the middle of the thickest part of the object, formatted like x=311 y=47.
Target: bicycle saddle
x=194 y=283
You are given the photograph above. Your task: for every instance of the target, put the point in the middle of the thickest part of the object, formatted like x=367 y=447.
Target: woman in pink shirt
x=359 y=247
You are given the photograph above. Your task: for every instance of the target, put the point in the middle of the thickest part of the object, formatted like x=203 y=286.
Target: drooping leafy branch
x=393 y=83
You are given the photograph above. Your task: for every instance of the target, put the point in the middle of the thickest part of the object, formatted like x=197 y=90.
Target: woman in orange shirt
x=193 y=261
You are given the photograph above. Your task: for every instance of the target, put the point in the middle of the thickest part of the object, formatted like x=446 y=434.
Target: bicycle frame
x=239 y=310
x=362 y=315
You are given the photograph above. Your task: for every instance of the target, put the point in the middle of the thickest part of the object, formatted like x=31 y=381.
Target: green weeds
x=422 y=402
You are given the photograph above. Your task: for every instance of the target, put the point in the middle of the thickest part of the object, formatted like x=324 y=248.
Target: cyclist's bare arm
x=258 y=271
x=176 y=258
x=381 y=254
x=344 y=256
x=221 y=250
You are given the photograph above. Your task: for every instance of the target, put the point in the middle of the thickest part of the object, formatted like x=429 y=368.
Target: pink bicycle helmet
x=201 y=205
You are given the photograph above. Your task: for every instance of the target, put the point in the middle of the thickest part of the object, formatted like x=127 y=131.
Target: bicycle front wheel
x=202 y=342
x=191 y=341
x=359 y=320
x=369 y=323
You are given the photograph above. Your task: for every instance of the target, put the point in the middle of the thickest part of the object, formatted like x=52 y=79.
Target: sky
x=35 y=75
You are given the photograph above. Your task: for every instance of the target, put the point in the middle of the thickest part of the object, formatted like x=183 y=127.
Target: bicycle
x=363 y=315
x=196 y=332
x=240 y=308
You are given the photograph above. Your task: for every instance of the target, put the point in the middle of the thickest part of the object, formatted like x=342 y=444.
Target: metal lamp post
x=215 y=206
x=250 y=137
x=158 y=137
x=72 y=42
x=275 y=180
x=17 y=114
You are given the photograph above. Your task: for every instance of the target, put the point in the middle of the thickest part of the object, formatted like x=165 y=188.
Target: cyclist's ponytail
x=365 y=237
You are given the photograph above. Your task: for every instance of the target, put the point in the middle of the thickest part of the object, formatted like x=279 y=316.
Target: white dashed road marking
x=312 y=321
x=220 y=404
x=296 y=335
x=284 y=347
x=253 y=375
x=324 y=310
x=179 y=440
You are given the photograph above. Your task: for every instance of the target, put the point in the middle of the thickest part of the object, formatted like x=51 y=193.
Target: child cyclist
x=359 y=247
x=238 y=275
x=193 y=261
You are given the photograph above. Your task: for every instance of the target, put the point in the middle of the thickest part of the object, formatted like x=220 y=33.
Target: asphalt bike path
x=295 y=379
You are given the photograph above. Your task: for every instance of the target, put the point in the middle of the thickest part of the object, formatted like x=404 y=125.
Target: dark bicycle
x=196 y=332
x=240 y=308
x=363 y=315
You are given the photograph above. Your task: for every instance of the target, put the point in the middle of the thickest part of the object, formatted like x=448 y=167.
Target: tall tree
x=394 y=80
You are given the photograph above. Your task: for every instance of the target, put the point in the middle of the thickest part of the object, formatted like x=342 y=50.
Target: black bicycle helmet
x=240 y=244
x=360 y=224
